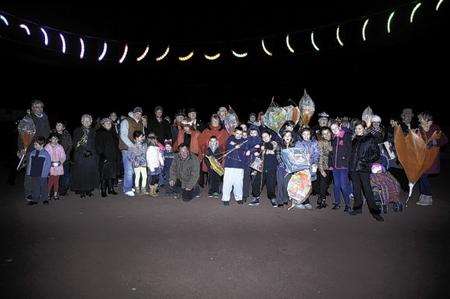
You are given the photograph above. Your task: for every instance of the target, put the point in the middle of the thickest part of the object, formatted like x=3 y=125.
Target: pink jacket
x=58 y=155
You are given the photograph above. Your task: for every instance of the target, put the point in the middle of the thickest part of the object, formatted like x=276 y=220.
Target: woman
x=188 y=136
x=106 y=146
x=324 y=172
x=433 y=137
x=85 y=167
x=341 y=144
x=283 y=176
x=365 y=151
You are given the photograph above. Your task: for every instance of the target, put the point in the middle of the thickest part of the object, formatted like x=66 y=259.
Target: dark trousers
x=246 y=184
x=153 y=179
x=324 y=183
x=400 y=175
x=185 y=194
x=266 y=178
x=361 y=183
x=282 y=182
x=39 y=188
x=424 y=185
x=213 y=182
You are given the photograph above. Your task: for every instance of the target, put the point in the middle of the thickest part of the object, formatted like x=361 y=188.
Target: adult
x=197 y=124
x=408 y=122
x=105 y=144
x=128 y=126
x=184 y=173
x=175 y=127
x=365 y=151
x=158 y=125
x=85 y=159
x=188 y=135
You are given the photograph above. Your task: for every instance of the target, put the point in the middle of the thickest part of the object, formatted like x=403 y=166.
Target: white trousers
x=138 y=172
x=232 y=180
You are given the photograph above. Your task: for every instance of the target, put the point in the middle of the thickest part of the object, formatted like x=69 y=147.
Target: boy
x=38 y=170
x=213 y=178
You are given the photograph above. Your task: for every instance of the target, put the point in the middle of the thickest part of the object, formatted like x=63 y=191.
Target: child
x=213 y=178
x=58 y=157
x=168 y=159
x=139 y=162
x=38 y=169
x=385 y=188
x=155 y=163
x=268 y=176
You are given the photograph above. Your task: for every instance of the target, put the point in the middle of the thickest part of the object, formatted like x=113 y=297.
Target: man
x=128 y=126
x=184 y=173
x=408 y=122
x=159 y=126
x=196 y=123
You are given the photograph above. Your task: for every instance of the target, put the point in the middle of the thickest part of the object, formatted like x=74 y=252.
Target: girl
x=283 y=176
x=139 y=162
x=155 y=163
x=324 y=173
x=58 y=157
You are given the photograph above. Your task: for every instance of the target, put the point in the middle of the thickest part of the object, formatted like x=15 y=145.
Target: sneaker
x=45 y=202
x=254 y=202
x=308 y=206
x=129 y=193
x=300 y=206
x=210 y=195
x=378 y=217
x=336 y=206
x=226 y=203
x=425 y=200
x=56 y=197
x=274 y=204
x=29 y=197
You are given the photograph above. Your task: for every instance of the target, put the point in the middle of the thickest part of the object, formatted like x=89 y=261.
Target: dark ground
x=141 y=248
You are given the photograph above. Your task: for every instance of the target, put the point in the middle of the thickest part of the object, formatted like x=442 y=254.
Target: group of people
x=153 y=155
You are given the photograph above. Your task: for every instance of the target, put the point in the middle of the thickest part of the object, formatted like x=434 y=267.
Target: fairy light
x=389 y=22
x=102 y=55
x=212 y=57
x=239 y=55
x=187 y=57
x=313 y=42
x=288 y=44
x=142 y=56
x=439 y=4
x=124 y=54
x=166 y=52
x=338 y=36
x=25 y=27
x=4 y=19
x=81 y=48
x=413 y=12
x=364 y=29
x=63 y=43
x=263 y=44
x=45 y=36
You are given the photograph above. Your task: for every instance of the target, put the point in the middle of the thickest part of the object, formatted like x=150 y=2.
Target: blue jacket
x=237 y=158
x=39 y=166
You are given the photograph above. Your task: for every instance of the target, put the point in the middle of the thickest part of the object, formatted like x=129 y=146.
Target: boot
x=144 y=191
x=137 y=191
x=427 y=200
x=111 y=187
x=155 y=191
x=103 y=188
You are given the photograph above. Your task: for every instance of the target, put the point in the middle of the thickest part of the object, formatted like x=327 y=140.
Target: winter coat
x=161 y=129
x=325 y=150
x=342 y=150
x=106 y=146
x=193 y=146
x=186 y=171
x=155 y=158
x=39 y=166
x=85 y=161
x=138 y=155
x=58 y=157
x=364 y=152
x=436 y=167
x=236 y=158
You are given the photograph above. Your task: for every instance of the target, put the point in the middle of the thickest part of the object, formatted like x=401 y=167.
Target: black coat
x=161 y=129
x=365 y=151
x=106 y=146
x=85 y=162
x=342 y=150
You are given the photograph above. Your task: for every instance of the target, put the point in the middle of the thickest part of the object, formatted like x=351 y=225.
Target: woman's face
x=86 y=121
x=425 y=124
x=359 y=130
x=306 y=135
x=326 y=134
x=214 y=122
x=287 y=138
x=335 y=129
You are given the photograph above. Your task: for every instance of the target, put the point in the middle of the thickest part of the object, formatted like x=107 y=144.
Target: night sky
x=406 y=68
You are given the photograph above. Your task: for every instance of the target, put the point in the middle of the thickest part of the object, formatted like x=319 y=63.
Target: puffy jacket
x=365 y=151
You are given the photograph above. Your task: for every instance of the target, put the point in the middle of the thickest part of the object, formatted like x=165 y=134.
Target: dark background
x=407 y=68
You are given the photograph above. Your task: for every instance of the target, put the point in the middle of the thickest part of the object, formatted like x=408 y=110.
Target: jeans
x=39 y=188
x=424 y=185
x=64 y=180
x=127 y=171
x=341 y=183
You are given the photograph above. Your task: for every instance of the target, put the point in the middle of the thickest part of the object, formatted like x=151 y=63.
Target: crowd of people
x=152 y=155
